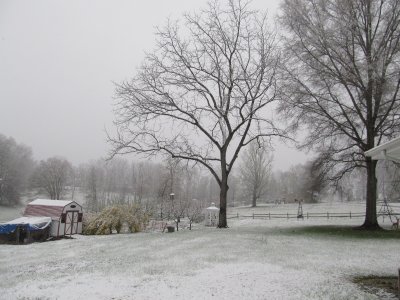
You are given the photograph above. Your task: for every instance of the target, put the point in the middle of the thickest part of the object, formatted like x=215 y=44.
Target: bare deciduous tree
x=342 y=81
x=174 y=190
x=177 y=208
x=255 y=170
x=194 y=211
x=52 y=175
x=93 y=185
x=202 y=94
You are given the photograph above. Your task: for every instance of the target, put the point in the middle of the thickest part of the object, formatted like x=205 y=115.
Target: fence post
x=327 y=215
x=307 y=215
x=238 y=215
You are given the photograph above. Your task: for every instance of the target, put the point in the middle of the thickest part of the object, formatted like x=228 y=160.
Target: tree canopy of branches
x=51 y=175
x=255 y=170
x=203 y=93
x=342 y=79
x=16 y=165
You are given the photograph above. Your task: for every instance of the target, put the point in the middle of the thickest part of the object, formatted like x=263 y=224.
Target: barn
x=66 y=215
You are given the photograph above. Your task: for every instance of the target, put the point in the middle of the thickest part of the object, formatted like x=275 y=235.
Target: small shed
x=66 y=215
x=212 y=215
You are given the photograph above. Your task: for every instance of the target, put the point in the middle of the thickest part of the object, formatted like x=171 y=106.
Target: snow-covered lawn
x=253 y=259
x=291 y=208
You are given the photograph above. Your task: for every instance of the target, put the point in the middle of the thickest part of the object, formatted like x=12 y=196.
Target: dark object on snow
x=171 y=228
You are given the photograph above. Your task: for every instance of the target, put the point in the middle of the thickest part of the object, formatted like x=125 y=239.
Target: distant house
x=66 y=215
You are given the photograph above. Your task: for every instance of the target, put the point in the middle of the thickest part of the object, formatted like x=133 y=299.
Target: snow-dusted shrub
x=136 y=218
x=101 y=223
x=114 y=218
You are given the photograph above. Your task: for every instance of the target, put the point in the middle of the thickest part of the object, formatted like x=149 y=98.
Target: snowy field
x=253 y=259
x=291 y=208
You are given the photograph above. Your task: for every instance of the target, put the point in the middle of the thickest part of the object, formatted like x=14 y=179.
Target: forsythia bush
x=114 y=218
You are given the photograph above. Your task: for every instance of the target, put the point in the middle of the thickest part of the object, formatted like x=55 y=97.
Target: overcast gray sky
x=58 y=60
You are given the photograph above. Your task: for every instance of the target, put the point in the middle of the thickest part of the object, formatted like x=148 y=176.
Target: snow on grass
x=291 y=208
x=253 y=259
x=8 y=213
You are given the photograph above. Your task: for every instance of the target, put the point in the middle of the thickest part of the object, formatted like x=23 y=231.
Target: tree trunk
x=254 y=202
x=177 y=225
x=371 y=220
x=222 y=222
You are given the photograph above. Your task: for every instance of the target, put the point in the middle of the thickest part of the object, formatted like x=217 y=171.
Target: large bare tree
x=342 y=80
x=202 y=94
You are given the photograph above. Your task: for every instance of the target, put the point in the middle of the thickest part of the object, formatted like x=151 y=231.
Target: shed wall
x=43 y=211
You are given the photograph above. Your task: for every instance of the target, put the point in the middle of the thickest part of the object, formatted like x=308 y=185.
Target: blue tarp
x=29 y=224
x=10 y=228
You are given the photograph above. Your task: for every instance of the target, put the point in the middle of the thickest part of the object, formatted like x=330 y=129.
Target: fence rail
x=308 y=215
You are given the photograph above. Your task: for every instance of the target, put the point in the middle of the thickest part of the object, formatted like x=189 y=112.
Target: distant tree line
x=167 y=190
x=172 y=188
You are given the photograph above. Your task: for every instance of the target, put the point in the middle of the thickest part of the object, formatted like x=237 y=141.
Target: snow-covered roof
x=212 y=207
x=30 y=220
x=389 y=151
x=50 y=202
